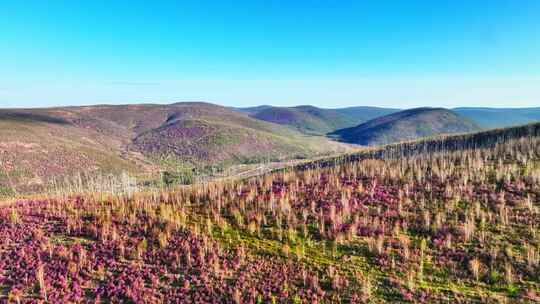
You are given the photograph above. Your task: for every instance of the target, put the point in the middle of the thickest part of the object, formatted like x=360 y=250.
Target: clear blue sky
x=327 y=53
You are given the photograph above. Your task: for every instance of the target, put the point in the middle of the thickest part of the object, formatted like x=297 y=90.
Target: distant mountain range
x=39 y=143
x=406 y=125
x=490 y=118
x=375 y=126
x=311 y=119
x=306 y=118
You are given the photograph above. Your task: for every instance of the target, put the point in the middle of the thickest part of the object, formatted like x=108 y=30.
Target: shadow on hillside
x=31 y=117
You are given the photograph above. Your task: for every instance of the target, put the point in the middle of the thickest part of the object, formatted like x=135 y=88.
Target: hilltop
x=406 y=125
x=486 y=118
x=314 y=120
x=209 y=133
x=307 y=119
x=144 y=139
x=37 y=144
x=489 y=118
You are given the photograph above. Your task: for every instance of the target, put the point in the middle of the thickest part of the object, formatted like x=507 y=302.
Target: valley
x=42 y=149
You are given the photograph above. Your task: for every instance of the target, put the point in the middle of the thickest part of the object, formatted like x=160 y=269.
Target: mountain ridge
x=39 y=144
x=314 y=120
x=406 y=125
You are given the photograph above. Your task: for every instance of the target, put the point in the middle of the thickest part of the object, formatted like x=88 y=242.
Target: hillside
x=37 y=144
x=446 y=226
x=251 y=110
x=485 y=139
x=314 y=120
x=406 y=125
x=214 y=134
x=362 y=114
x=486 y=118
x=306 y=119
x=499 y=117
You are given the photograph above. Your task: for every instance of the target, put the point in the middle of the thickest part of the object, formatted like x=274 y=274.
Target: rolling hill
x=318 y=120
x=37 y=144
x=490 y=118
x=307 y=119
x=394 y=224
x=362 y=114
x=251 y=110
x=406 y=125
x=314 y=120
x=209 y=133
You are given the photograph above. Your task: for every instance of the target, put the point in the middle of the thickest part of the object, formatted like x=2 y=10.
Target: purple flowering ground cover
x=449 y=227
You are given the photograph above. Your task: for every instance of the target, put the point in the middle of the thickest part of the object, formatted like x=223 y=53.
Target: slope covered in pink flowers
x=447 y=225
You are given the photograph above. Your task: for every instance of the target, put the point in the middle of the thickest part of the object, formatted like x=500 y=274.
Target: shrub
x=184 y=177
x=6 y=191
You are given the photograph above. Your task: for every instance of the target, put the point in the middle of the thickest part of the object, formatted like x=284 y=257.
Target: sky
x=243 y=53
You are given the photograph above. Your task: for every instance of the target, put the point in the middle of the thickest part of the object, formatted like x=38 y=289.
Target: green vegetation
x=177 y=178
x=6 y=192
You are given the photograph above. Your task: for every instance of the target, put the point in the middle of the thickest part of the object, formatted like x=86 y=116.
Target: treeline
x=440 y=144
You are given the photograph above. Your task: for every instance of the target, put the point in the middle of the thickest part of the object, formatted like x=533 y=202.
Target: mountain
x=489 y=118
x=37 y=144
x=211 y=134
x=314 y=120
x=252 y=110
x=406 y=125
x=362 y=114
x=307 y=119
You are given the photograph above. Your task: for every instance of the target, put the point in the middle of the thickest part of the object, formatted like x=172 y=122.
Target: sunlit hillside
x=398 y=224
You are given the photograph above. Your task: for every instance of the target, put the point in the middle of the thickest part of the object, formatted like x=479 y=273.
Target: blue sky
x=326 y=53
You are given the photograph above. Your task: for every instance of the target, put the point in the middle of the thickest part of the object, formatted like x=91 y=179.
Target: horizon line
x=158 y=103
